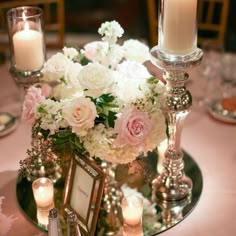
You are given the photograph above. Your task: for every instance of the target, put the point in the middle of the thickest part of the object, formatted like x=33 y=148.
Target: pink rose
x=132 y=127
x=34 y=96
x=80 y=115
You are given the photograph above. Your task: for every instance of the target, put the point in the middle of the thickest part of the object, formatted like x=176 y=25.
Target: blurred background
x=77 y=21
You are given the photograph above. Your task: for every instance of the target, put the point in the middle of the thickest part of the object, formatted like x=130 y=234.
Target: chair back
x=53 y=18
x=212 y=21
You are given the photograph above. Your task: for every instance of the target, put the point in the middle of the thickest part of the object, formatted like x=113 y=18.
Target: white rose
x=136 y=51
x=80 y=115
x=96 y=80
x=61 y=91
x=71 y=74
x=54 y=68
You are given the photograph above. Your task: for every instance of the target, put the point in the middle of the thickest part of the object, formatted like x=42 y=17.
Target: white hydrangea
x=111 y=31
x=99 y=143
x=50 y=114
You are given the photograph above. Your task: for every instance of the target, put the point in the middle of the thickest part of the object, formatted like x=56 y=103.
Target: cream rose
x=80 y=115
x=96 y=80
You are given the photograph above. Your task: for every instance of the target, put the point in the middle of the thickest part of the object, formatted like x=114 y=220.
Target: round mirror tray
x=158 y=218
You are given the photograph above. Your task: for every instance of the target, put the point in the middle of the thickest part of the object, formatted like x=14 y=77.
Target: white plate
x=219 y=113
x=7 y=123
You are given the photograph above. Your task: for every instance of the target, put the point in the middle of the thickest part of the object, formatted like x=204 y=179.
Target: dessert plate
x=8 y=123
x=219 y=113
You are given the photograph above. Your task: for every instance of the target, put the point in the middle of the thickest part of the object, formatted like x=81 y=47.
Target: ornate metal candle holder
x=172 y=184
x=26 y=78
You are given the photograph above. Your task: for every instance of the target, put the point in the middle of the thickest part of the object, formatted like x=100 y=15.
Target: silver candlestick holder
x=172 y=184
x=175 y=54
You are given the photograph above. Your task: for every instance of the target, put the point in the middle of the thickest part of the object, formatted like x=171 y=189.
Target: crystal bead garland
x=110 y=216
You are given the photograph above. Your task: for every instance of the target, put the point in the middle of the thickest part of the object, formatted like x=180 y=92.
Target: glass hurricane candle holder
x=177 y=34
x=132 y=210
x=175 y=54
x=43 y=192
x=27 y=44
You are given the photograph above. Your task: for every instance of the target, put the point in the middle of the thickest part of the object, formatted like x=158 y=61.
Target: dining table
x=210 y=142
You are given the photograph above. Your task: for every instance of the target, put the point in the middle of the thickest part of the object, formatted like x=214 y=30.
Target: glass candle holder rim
x=132 y=199
x=42 y=180
x=37 y=13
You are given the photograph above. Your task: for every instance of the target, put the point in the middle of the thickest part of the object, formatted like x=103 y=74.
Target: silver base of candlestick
x=172 y=184
x=25 y=78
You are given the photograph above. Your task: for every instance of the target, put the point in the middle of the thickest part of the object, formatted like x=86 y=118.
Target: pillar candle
x=178 y=36
x=28 y=49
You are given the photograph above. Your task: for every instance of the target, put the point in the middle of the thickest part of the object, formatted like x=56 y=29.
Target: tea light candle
x=28 y=49
x=43 y=193
x=132 y=210
x=179 y=27
x=42 y=217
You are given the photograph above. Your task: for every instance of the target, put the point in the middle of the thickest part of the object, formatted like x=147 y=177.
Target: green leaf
x=111 y=118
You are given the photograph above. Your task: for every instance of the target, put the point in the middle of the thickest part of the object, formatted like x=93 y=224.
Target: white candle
x=28 y=49
x=43 y=193
x=178 y=36
x=42 y=217
x=132 y=210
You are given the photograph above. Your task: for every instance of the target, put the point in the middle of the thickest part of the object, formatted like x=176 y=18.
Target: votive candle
x=132 y=210
x=43 y=193
x=178 y=26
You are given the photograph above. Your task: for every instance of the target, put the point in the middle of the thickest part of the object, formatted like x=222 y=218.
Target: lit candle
x=28 y=48
x=42 y=217
x=132 y=210
x=178 y=36
x=43 y=193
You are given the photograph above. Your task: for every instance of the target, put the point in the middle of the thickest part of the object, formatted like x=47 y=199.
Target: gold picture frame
x=83 y=192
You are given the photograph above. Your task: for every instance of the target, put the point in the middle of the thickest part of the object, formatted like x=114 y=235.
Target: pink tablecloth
x=211 y=143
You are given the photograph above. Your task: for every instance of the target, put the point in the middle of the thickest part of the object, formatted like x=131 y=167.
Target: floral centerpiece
x=99 y=100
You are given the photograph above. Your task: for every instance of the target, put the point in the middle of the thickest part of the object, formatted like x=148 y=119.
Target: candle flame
x=26 y=24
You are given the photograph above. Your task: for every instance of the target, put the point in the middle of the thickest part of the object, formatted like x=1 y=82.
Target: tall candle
x=179 y=24
x=28 y=49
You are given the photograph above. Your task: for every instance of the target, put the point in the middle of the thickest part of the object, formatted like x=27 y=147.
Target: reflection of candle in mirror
x=43 y=193
x=133 y=231
x=42 y=217
x=28 y=48
x=132 y=210
x=161 y=154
